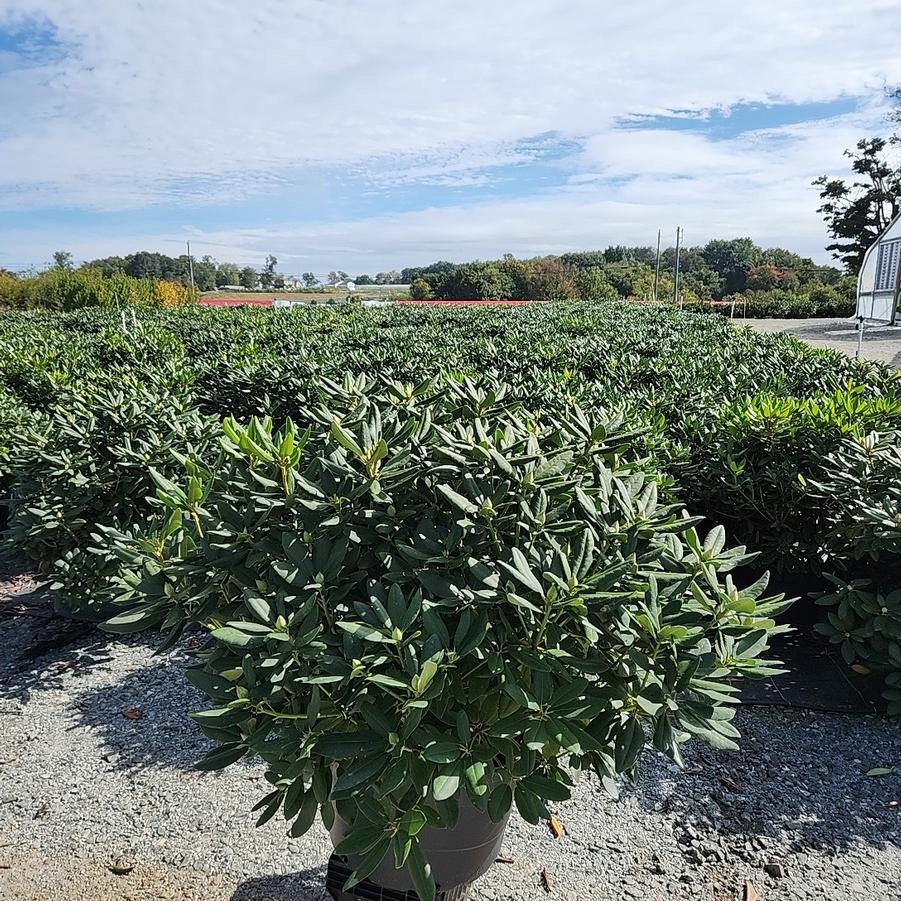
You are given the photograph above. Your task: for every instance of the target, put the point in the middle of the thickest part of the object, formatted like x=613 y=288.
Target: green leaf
x=222 y=757
x=294 y=796
x=881 y=771
x=521 y=571
x=500 y=801
x=445 y=785
x=343 y=745
x=413 y=821
x=442 y=752
x=531 y=808
x=134 y=620
x=345 y=439
x=460 y=502
x=420 y=872
x=548 y=789
x=260 y=607
x=388 y=681
x=358 y=773
x=367 y=866
x=629 y=742
x=365 y=632
x=360 y=839
x=234 y=638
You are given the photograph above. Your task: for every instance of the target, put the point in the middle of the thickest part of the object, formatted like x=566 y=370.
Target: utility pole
x=678 y=260
x=191 y=267
x=657 y=267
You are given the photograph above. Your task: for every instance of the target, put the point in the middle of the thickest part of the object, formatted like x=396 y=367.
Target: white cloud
x=174 y=103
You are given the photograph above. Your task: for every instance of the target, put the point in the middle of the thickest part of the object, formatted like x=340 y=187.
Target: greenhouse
x=880 y=277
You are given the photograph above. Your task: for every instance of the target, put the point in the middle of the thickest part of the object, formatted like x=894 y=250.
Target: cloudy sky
x=368 y=135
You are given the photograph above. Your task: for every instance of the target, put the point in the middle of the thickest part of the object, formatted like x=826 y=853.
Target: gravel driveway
x=880 y=342
x=98 y=800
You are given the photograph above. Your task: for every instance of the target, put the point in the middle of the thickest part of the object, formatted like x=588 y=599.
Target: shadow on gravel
x=38 y=646
x=143 y=718
x=799 y=776
x=305 y=885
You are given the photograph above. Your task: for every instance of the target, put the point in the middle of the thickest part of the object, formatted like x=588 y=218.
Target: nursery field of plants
x=447 y=557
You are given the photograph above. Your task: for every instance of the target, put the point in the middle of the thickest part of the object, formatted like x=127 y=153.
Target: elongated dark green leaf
x=500 y=801
x=373 y=857
x=420 y=872
x=222 y=757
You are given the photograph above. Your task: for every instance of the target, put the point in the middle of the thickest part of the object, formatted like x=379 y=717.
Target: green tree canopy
x=856 y=213
x=227 y=274
x=250 y=278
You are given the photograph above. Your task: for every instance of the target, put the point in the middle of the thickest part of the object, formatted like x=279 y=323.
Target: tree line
x=209 y=274
x=713 y=271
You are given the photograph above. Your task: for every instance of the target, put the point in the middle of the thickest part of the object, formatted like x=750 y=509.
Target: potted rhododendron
x=431 y=605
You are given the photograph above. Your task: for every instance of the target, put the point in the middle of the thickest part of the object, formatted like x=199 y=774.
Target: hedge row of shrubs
x=793 y=449
x=820 y=301
x=65 y=289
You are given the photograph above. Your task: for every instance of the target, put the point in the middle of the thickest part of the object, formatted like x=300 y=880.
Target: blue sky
x=372 y=136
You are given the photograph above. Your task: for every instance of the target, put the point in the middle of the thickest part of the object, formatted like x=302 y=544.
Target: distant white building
x=879 y=282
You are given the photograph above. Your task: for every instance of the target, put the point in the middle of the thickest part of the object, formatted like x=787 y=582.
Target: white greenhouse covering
x=878 y=282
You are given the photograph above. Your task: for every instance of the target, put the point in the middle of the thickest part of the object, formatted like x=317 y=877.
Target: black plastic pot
x=457 y=856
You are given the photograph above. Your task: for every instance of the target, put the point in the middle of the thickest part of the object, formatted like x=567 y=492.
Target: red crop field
x=468 y=303
x=266 y=302
x=234 y=302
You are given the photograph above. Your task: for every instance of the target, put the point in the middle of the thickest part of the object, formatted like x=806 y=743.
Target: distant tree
x=768 y=277
x=587 y=259
x=227 y=274
x=732 y=260
x=205 y=273
x=477 y=280
x=336 y=276
x=857 y=213
x=143 y=264
x=365 y=280
x=180 y=269
x=62 y=259
x=592 y=284
x=108 y=265
x=249 y=278
x=620 y=254
x=550 y=280
x=267 y=276
x=309 y=280
x=391 y=277
x=420 y=289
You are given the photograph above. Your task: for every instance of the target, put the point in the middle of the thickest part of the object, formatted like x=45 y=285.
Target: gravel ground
x=86 y=790
x=880 y=342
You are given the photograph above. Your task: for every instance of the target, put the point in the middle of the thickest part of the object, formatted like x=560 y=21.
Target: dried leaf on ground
x=121 y=866
x=556 y=828
x=133 y=714
x=502 y=859
x=750 y=892
x=546 y=881
x=731 y=784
